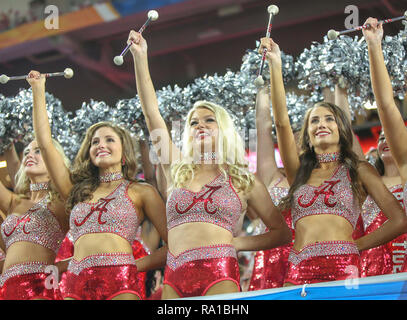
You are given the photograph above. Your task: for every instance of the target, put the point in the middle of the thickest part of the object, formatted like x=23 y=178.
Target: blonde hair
x=231 y=151
x=85 y=175
x=23 y=181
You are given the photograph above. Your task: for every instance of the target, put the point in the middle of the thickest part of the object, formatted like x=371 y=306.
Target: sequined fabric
x=38 y=225
x=270 y=266
x=103 y=277
x=139 y=241
x=323 y=261
x=278 y=193
x=328 y=157
x=114 y=213
x=405 y=196
x=334 y=196
x=140 y=251
x=27 y=281
x=217 y=202
x=193 y=272
x=66 y=249
x=359 y=229
x=387 y=258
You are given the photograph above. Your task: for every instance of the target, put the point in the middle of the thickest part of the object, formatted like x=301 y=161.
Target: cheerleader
x=210 y=188
x=33 y=230
x=106 y=208
x=269 y=266
x=393 y=125
x=387 y=258
x=328 y=183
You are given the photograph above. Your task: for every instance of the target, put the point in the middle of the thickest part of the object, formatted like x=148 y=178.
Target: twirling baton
x=67 y=74
x=272 y=10
x=332 y=34
x=152 y=16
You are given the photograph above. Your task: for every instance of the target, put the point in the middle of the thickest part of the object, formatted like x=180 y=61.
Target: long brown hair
x=308 y=159
x=85 y=175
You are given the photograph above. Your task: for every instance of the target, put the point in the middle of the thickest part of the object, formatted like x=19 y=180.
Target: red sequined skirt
x=67 y=248
x=323 y=261
x=270 y=266
x=103 y=277
x=387 y=258
x=28 y=281
x=193 y=272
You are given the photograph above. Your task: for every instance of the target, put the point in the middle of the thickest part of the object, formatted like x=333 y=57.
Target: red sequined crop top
x=334 y=196
x=114 y=213
x=217 y=203
x=38 y=225
x=370 y=210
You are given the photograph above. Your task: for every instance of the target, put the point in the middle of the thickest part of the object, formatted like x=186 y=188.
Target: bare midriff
x=319 y=228
x=99 y=243
x=24 y=251
x=196 y=234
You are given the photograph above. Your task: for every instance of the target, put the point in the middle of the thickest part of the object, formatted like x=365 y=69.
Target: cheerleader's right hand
x=139 y=44
x=373 y=34
x=36 y=80
x=273 y=54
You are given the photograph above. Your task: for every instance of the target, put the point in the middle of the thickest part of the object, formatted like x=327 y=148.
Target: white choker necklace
x=209 y=156
x=39 y=186
x=110 y=176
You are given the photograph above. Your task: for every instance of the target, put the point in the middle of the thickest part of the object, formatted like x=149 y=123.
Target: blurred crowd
x=13 y=18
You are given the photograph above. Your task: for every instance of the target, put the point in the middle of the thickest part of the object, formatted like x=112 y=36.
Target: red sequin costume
x=405 y=208
x=104 y=276
x=140 y=250
x=66 y=251
x=387 y=258
x=217 y=203
x=270 y=266
x=328 y=260
x=28 y=280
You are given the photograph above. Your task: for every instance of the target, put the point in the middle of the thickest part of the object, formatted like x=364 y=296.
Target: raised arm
x=328 y=95
x=13 y=163
x=166 y=150
x=267 y=169
x=154 y=208
x=389 y=205
x=390 y=117
x=341 y=100
x=260 y=203
x=54 y=162
x=161 y=182
x=285 y=136
x=148 y=168
x=6 y=199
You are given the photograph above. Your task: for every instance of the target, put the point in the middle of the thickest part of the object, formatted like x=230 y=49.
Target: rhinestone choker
x=39 y=186
x=110 y=176
x=328 y=157
x=209 y=156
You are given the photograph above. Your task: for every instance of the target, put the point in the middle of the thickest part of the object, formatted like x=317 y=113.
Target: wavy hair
x=85 y=175
x=23 y=181
x=308 y=159
x=231 y=151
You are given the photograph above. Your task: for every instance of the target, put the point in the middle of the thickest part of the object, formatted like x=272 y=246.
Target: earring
x=123 y=161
